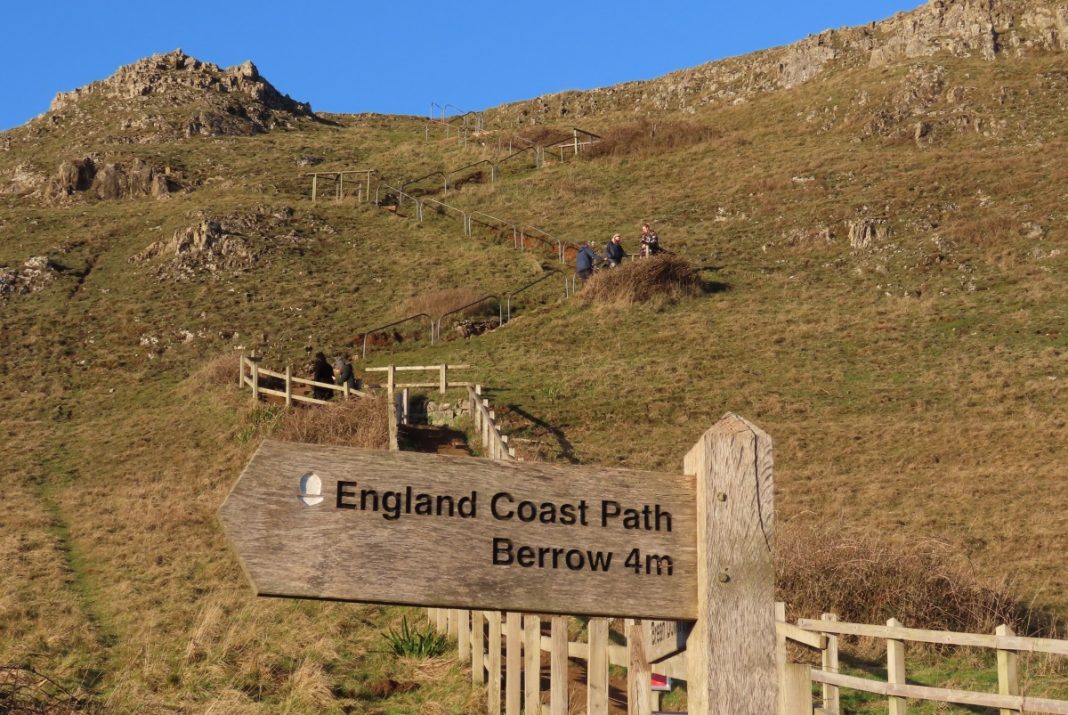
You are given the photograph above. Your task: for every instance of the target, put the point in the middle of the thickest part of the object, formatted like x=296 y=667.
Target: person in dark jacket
x=614 y=250
x=650 y=241
x=322 y=372
x=344 y=373
x=584 y=261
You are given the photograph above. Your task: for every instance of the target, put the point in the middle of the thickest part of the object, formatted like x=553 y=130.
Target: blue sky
x=390 y=56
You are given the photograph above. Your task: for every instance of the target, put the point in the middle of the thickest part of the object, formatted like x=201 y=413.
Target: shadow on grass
x=566 y=449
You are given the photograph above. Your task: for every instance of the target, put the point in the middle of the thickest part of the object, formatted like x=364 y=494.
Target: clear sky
x=398 y=57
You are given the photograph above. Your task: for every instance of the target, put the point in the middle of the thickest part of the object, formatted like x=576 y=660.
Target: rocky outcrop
x=867 y=232
x=216 y=245
x=979 y=28
x=114 y=180
x=147 y=100
x=36 y=273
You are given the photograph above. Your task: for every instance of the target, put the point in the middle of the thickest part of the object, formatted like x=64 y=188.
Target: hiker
x=344 y=373
x=614 y=250
x=321 y=372
x=650 y=242
x=584 y=261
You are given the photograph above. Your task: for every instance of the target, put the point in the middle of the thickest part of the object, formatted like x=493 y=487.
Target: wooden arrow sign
x=348 y=524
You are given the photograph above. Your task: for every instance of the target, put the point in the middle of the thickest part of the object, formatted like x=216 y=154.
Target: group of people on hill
x=320 y=371
x=614 y=254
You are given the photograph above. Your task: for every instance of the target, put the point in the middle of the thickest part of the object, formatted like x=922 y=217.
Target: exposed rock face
x=867 y=232
x=148 y=97
x=35 y=274
x=217 y=245
x=107 y=180
x=986 y=28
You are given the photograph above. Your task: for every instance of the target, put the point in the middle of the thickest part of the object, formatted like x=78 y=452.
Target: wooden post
x=255 y=383
x=558 y=667
x=443 y=620
x=493 y=682
x=638 y=671
x=1008 y=676
x=797 y=689
x=532 y=664
x=513 y=664
x=340 y=186
x=443 y=383
x=368 y=194
x=241 y=371
x=829 y=662
x=895 y=669
x=731 y=651
x=597 y=667
x=289 y=386
x=780 y=658
x=463 y=635
x=391 y=380
x=406 y=401
x=478 y=648
x=454 y=623
x=315 y=184
x=345 y=390
x=432 y=617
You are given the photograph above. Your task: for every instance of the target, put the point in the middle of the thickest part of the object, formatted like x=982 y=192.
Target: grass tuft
x=660 y=278
x=415 y=642
x=359 y=422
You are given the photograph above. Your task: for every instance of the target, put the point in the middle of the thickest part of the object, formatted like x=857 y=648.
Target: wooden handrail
x=919 y=635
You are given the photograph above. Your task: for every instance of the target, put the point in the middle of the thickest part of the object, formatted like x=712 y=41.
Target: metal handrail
x=442 y=174
x=493 y=168
x=418 y=205
x=589 y=134
x=402 y=320
x=513 y=293
x=488 y=296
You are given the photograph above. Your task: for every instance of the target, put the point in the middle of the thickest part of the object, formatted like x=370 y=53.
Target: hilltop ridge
x=960 y=28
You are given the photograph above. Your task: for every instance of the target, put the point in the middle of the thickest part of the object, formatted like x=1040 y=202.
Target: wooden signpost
x=313 y=521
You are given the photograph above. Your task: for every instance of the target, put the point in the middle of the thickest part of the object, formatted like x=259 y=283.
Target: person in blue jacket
x=584 y=261
x=614 y=250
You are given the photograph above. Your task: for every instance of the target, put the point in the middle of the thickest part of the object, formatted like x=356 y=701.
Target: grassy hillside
x=913 y=383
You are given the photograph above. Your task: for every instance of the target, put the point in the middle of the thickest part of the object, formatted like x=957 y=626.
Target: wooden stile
x=558 y=700
x=731 y=651
x=532 y=664
x=597 y=667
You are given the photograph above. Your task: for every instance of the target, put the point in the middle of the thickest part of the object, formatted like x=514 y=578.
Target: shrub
x=358 y=422
x=865 y=579
x=415 y=642
x=659 y=277
x=220 y=370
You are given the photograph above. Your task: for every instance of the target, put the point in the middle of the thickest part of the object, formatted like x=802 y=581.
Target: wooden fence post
x=454 y=622
x=1008 y=676
x=513 y=664
x=597 y=667
x=289 y=386
x=315 y=185
x=731 y=651
x=797 y=689
x=638 y=671
x=829 y=661
x=241 y=371
x=255 y=383
x=782 y=707
x=493 y=682
x=463 y=635
x=478 y=648
x=895 y=669
x=558 y=667
x=391 y=380
x=532 y=664
x=443 y=620
x=442 y=379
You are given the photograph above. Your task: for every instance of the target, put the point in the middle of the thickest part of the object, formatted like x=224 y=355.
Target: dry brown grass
x=219 y=371
x=438 y=302
x=644 y=136
x=867 y=579
x=660 y=278
x=350 y=423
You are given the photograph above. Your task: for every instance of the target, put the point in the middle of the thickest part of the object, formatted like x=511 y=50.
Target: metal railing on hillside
x=372 y=331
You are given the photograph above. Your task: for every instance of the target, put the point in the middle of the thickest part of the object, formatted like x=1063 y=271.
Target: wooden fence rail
x=494 y=443
x=799 y=678
x=249 y=374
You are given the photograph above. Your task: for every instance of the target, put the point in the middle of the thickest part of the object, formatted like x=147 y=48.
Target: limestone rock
x=866 y=232
x=35 y=274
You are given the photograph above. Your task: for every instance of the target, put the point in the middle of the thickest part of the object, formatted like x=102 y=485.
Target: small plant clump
x=359 y=422
x=415 y=642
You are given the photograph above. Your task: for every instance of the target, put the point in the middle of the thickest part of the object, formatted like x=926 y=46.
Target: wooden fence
x=797 y=679
x=399 y=396
x=494 y=443
x=250 y=374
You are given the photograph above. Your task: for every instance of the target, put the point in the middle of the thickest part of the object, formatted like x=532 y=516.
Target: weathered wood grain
x=731 y=651
x=321 y=551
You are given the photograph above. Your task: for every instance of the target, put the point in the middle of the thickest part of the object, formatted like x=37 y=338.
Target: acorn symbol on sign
x=311 y=490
